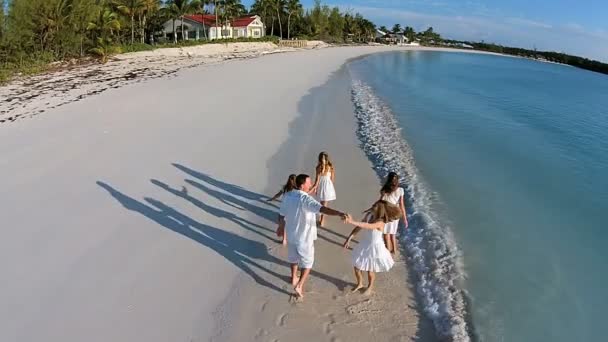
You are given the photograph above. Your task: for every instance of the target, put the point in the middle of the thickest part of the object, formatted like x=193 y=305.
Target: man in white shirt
x=298 y=219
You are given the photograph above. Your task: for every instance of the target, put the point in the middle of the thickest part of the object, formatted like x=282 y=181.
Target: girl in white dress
x=371 y=255
x=324 y=182
x=393 y=194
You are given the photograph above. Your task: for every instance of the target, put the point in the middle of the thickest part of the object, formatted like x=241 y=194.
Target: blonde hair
x=385 y=211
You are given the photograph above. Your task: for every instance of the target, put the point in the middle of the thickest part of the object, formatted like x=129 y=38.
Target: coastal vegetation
x=549 y=56
x=35 y=33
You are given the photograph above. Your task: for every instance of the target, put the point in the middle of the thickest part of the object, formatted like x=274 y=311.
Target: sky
x=574 y=27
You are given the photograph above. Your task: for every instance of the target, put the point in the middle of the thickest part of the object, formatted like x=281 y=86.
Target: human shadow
x=231 y=188
x=241 y=252
x=244 y=253
x=270 y=215
x=217 y=212
x=264 y=213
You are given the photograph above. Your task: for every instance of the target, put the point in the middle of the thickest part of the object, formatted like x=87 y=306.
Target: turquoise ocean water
x=505 y=161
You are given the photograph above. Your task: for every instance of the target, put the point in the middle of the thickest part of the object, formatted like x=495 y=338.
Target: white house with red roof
x=203 y=26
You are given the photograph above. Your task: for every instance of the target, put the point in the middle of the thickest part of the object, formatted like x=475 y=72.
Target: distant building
x=203 y=26
x=392 y=38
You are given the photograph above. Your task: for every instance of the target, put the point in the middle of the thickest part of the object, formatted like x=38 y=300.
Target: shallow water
x=506 y=164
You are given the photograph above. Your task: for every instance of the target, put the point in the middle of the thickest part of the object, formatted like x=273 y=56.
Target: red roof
x=209 y=20
x=242 y=22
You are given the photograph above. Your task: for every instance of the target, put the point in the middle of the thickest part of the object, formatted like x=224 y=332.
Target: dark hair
x=392 y=183
x=301 y=179
x=291 y=183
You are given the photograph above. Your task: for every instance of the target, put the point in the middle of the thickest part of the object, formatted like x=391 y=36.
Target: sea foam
x=432 y=252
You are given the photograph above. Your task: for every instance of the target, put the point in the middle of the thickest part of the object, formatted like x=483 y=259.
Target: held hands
x=346 y=218
x=346 y=244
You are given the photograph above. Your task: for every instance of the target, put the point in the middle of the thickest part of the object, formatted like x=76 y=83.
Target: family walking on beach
x=298 y=224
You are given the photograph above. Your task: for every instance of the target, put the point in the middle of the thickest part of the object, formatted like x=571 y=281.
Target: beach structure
x=204 y=26
x=392 y=39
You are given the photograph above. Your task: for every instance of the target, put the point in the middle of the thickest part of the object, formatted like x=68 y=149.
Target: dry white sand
x=29 y=96
x=137 y=214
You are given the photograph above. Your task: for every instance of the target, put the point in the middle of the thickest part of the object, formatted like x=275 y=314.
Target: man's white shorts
x=301 y=254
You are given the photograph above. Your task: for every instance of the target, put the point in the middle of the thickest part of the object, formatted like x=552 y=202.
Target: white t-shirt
x=299 y=210
x=394 y=197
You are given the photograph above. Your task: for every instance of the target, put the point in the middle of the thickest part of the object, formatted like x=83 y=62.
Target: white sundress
x=393 y=198
x=371 y=254
x=325 y=189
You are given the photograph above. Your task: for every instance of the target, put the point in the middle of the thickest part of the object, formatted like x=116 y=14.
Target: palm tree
x=262 y=8
x=294 y=7
x=201 y=9
x=279 y=6
x=51 y=21
x=409 y=33
x=149 y=8
x=396 y=28
x=230 y=10
x=130 y=8
x=103 y=29
x=179 y=9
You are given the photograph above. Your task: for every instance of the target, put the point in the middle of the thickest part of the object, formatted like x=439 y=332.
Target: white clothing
x=371 y=254
x=299 y=210
x=325 y=188
x=393 y=198
x=391 y=227
x=301 y=254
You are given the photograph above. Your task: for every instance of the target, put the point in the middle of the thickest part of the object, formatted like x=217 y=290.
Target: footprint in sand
x=282 y=320
x=261 y=333
x=263 y=306
x=359 y=308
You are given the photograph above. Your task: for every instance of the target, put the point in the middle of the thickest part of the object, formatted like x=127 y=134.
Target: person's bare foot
x=295 y=281
x=357 y=288
x=284 y=242
x=368 y=291
x=299 y=292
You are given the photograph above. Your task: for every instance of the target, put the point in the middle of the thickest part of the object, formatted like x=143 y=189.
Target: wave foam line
x=431 y=248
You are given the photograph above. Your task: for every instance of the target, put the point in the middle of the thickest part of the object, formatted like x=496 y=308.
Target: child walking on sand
x=290 y=185
x=393 y=194
x=371 y=255
x=324 y=182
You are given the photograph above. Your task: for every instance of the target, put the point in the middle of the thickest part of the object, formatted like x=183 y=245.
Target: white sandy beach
x=139 y=214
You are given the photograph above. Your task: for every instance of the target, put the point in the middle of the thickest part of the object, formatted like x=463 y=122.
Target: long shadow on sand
x=243 y=253
x=231 y=188
x=241 y=222
x=230 y=197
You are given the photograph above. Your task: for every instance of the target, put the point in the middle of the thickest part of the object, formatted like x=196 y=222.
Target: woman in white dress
x=324 y=182
x=393 y=194
x=371 y=255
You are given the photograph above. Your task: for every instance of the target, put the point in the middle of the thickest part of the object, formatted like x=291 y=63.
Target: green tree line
x=288 y=19
x=36 y=32
x=551 y=56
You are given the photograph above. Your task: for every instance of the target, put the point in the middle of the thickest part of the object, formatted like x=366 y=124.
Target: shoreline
x=175 y=193
x=330 y=311
x=30 y=96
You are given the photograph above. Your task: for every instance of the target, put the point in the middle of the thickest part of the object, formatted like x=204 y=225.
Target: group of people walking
x=302 y=201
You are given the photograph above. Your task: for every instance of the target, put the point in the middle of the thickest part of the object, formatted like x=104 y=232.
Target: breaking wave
x=432 y=252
